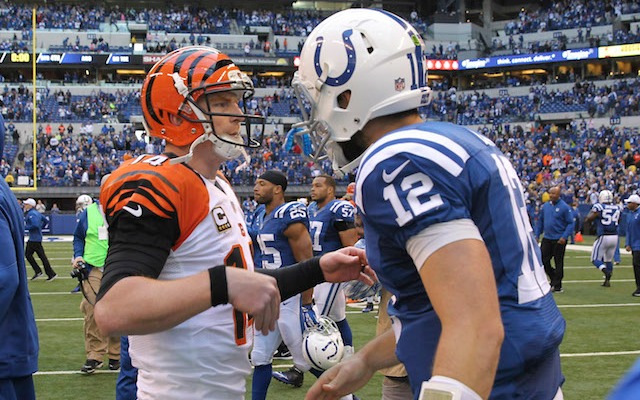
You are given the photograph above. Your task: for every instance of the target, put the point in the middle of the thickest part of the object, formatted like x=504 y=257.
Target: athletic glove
x=309 y=316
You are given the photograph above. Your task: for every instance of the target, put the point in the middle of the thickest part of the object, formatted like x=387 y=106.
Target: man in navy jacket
x=556 y=225
x=19 y=344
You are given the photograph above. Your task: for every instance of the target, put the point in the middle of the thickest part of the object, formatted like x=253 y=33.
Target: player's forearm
x=472 y=331
x=380 y=352
x=140 y=305
x=470 y=359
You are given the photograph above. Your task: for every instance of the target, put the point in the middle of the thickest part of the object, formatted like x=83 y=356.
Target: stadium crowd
x=580 y=157
x=570 y=14
x=66 y=158
x=618 y=98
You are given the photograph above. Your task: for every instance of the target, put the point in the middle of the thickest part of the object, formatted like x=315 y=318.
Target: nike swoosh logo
x=136 y=213
x=389 y=177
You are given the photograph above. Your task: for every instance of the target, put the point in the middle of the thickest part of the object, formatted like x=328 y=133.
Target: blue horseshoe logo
x=335 y=349
x=351 y=60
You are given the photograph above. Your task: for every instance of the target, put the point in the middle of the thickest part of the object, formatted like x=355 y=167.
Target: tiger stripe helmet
x=174 y=85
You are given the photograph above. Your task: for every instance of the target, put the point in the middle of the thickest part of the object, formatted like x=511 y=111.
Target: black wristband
x=296 y=278
x=218 y=282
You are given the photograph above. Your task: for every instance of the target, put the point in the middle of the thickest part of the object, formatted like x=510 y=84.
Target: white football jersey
x=206 y=356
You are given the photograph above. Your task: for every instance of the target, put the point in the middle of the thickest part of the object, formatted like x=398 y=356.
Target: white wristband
x=444 y=388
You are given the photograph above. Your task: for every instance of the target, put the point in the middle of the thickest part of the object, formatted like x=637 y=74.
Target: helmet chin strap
x=223 y=149
x=335 y=153
x=187 y=157
x=341 y=172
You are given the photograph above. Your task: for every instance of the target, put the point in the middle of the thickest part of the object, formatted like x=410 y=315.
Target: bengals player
x=179 y=274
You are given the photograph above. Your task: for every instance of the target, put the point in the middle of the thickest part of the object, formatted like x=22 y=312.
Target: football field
x=600 y=344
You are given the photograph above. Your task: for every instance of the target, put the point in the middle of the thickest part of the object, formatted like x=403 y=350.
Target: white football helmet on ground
x=605 y=197
x=376 y=57
x=322 y=344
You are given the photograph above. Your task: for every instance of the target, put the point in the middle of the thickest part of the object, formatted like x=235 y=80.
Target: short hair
x=329 y=180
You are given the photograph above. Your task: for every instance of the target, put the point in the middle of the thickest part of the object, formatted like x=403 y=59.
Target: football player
x=179 y=276
x=606 y=214
x=331 y=227
x=283 y=238
x=445 y=223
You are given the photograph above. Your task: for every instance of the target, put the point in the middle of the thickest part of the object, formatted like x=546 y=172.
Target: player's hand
x=346 y=377
x=347 y=264
x=627 y=248
x=255 y=294
x=562 y=241
x=309 y=316
x=76 y=261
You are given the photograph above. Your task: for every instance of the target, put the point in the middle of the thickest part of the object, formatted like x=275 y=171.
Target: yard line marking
x=604 y=353
x=596 y=280
x=106 y=371
x=42 y=278
x=598 y=305
x=358 y=307
x=615 y=267
x=74 y=372
x=49 y=293
x=58 y=319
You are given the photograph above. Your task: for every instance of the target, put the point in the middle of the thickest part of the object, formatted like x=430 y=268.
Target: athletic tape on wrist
x=445 y=388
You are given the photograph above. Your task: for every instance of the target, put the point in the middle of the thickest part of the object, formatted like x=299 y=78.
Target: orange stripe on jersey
x=159 y=189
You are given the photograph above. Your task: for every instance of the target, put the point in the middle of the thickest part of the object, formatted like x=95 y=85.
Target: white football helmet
x=322 y=345
x=605 y=197
x=376 y=56
x=83 y=201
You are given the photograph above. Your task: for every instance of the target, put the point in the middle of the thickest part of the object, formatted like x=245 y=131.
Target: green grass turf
x=599 y=346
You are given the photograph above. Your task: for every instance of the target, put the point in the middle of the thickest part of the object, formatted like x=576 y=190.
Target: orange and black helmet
x=176 y=82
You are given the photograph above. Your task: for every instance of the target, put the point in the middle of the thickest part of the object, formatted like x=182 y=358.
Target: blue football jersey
x=322 y=224
x=607 y=223
x=432 y=173
x=275 y=251
x=254 y=222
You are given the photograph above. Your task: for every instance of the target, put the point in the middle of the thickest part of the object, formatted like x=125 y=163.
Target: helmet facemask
x=227 y=146
x=320 y=133
x=376 y=57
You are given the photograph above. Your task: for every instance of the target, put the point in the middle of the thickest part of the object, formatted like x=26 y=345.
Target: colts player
x=283 y=238
x=331 y=226
x=445 y=222
x=606 y=214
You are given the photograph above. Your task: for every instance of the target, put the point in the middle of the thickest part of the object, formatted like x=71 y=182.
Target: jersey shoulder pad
x=342 y=210
x=156 y=185
x=291 y=212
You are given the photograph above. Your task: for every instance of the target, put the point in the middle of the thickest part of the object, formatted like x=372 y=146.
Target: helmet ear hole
x=343 y=99
x=175 y=119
